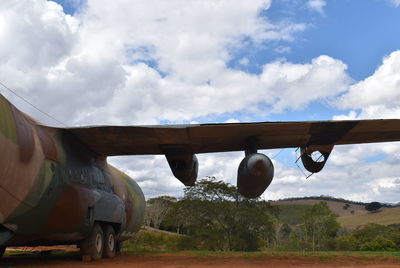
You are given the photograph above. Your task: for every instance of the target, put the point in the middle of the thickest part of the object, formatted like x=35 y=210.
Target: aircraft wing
x=181 y=143
x=206 y=138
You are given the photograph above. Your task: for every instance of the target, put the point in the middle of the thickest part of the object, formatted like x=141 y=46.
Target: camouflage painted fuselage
x=53 y=188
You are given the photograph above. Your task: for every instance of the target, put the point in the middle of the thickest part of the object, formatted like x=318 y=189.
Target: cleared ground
x=182 y=260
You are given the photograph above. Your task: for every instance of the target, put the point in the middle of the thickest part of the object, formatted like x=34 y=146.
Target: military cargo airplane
x=57 y=188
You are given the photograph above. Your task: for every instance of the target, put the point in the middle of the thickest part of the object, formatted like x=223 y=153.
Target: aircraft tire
x=93 y=245
x=110 y=242
x=2 y=250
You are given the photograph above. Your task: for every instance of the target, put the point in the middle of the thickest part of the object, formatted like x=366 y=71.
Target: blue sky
x=359 y=33
x=71 y=7
x=92 y=62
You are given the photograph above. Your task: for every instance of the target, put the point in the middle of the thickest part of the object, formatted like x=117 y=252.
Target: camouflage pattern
x=53 y=188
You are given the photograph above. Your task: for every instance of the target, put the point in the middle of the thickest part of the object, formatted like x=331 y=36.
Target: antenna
x=297 y=163
x=25 y=100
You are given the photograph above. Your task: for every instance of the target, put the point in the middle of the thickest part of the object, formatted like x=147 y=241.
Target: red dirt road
x=183 y=261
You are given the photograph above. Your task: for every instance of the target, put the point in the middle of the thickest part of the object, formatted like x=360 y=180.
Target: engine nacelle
x=184 y=166
x=255 y=174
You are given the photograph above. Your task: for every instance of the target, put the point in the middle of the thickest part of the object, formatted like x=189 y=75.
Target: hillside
x=385 y=217
x=337 y=207
x=351 y=215
x=291 y=213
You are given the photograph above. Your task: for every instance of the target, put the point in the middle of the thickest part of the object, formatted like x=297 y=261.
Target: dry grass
x=385 y=217
x=336 y=207
x=352 y=220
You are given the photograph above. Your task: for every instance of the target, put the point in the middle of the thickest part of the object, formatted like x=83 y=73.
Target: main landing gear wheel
x=93 y=245
x=110 y=242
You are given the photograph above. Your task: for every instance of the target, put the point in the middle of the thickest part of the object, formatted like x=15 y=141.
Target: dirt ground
x=183 y=261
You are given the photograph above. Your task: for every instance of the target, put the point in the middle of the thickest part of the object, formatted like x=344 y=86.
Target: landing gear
x=110 y=242
x=93 y=245
x=2 y=250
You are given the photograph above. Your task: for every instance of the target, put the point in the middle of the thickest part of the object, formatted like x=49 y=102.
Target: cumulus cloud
x=135 y=62
x=377 y=96
x=296 y=85
x=36 y=35
x=281 y=85
x=155 y=178
x=317 y=5
x=370 y=181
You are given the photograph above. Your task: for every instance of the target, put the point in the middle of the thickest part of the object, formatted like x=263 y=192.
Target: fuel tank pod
x=255 y=174
x=184 y=166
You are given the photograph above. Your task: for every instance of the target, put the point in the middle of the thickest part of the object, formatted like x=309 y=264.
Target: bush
x=187 y=243
x=148 y=241
x=347 y=242
x=373 y=206
x=379 y=244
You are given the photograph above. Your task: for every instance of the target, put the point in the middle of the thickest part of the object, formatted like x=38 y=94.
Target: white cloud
x=378 y=181
x=244 y=61
x=298 y=84
x=135 y=62
x=151 y=173
x=396 y=3
x=378 y=96
x=281 y=85
x=317 y=5
x=155 y=178
x=283 y=49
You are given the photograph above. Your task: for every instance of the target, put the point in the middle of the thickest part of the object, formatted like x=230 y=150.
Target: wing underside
x=206 y=138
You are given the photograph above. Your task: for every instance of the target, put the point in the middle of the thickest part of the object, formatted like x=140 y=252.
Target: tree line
x=213 y=216
x=335 y=199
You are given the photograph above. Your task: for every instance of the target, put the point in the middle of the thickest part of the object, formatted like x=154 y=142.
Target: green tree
x=370 y=236
x=156 y=210
x=347 y=242
x=215 y=216
x=380 y=243
x=319 y=225
x=373 y=206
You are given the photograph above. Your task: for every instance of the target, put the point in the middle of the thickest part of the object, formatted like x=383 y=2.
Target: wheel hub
x=99 y=243
x=111 y=242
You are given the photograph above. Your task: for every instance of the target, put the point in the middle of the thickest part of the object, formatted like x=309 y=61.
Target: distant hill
x=351 y=214
x=291 y=213
x=385 y=216
x=331 y=198
x=338 y=207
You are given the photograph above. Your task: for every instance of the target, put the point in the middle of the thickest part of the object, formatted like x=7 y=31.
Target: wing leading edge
x=208 y=138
